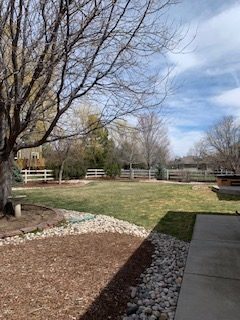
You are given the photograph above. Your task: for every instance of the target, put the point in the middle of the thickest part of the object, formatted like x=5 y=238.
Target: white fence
x=95 y=173
x=136 y=173
x=37 y=175
x=172 y=175
x=195 y=176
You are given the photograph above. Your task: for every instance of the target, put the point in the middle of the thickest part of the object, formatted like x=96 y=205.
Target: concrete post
x=25 y=176
x=149 y=174
x=167 y=174
x=18 y=212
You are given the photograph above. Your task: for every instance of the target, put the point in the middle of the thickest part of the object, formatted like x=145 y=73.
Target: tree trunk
x=5 y=164
x=5 y=182
x=61 y=173
x=131 y=172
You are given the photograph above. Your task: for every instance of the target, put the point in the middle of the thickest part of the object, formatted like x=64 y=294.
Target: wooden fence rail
x=37 y=175
x=95 y=173
x=136 y=173
x=169 y=174
x=172 y=175
x=187 y=176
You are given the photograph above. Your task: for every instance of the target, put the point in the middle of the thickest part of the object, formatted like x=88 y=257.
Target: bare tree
x=53 y=53
x=154 y=141
x=58 y=153
x=198 y=150
x=127 y=143
x=222 y=144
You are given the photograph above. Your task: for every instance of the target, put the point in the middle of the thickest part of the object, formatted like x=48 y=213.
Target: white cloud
x=184 y=62
x=182 y=141
x=220 y=35
x=216 y=46
x=229 y=98
x=231 y=69
x=213 y=60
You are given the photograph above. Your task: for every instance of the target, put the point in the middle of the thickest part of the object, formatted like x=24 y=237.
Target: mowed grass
x=169 y=208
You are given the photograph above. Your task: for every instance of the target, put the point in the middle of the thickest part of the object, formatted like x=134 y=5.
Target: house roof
x=188 y=160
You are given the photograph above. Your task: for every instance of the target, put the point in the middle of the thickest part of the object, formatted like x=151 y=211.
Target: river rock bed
x=155 y=298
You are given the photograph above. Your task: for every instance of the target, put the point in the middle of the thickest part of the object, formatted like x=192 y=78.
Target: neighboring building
x=30 y=158
x=189 y=163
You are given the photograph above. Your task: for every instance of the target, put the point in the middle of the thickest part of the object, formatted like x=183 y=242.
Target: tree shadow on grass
x=180 y=224
x=112 y=300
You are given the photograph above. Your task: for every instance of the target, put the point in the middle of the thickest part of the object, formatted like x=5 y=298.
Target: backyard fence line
x=168 y=174
x=135 y=173
x=37 y=175
x=188 y=176
x=193 y=175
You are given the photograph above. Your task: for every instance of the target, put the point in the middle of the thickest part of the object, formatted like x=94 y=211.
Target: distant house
x=30 y=158
x=189 y=163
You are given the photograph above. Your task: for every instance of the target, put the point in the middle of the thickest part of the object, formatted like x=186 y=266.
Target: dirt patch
x=33 y=217
x=73 y=277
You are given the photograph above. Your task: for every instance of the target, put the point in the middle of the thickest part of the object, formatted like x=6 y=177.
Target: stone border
x=53 y=221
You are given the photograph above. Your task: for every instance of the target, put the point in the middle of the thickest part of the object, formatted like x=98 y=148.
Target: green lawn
x=169 y=208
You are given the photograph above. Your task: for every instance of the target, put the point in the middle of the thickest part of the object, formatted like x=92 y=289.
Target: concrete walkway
x=211 y=283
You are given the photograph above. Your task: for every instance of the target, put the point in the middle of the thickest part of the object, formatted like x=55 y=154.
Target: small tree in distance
x=126 y=138
x=223 y=143
x=153 y=139
x=220 y=146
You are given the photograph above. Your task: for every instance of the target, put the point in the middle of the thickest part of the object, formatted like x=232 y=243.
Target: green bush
x=16 y=175
x=70 y=171
x=112 y=170
x=74 y=171
x=160 y=172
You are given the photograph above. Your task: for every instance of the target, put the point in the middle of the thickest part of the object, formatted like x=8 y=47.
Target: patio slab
x=215 y=259
x=211 y=282
x=208 y=298
x=217 y=228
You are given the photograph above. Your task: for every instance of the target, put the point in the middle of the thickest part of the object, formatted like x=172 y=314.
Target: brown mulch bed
x=83 y=277
x=32 y=216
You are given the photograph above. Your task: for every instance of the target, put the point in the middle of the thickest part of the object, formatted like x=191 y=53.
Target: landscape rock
x=131 y=310
x=133 y=292
x=160 y=283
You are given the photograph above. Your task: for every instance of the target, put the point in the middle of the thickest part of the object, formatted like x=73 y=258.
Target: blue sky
x=207 y=74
